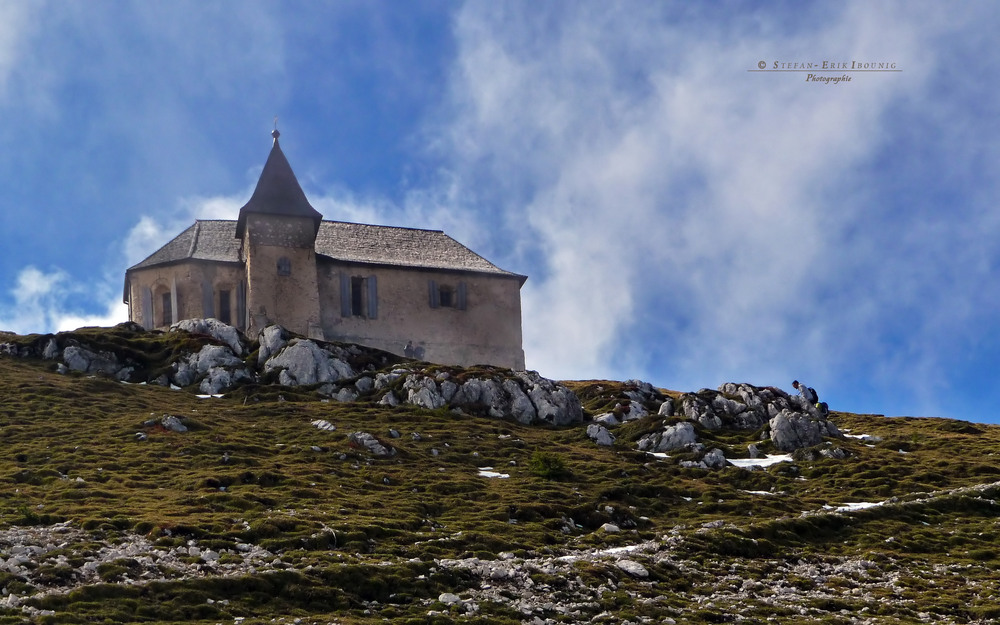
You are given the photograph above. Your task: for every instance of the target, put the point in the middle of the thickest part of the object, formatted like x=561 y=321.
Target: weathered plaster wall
x=289 y=297
x=488 y=331
x=186 y=283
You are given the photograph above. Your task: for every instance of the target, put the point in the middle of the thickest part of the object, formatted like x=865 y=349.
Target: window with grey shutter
x=345 y=295
x=207 y=297
x=463 y=297
x=372 y=297
x=432 y=293
x=147 y=309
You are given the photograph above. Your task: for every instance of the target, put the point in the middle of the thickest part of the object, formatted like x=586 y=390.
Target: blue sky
x=682 y=219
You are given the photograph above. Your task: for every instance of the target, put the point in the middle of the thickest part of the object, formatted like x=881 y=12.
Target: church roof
x=401 y=247
x=278 y=191
x=205 y=240
x=214 y=240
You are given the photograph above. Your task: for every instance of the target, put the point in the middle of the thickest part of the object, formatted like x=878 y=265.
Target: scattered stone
x=600 y=435
x=365 y=440
x=173 y=423
x=633 y=568
x=607 y=419
x=448 y=598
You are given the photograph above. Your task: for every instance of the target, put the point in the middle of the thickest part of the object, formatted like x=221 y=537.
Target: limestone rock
x=608 y=419
x=51 y=351
x=81 y=359
x=793 y=430
x=173 y=423
x=365 y=440
x=555 y=404
x=303 y=362
x=600 y=435
x=673 y=437
x=218 y=330
x=633 y=568
x=216 y=365
x=715 y=459
x=272 y=340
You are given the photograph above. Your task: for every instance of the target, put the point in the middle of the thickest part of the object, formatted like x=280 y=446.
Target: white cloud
x=52 y=302
x=674 y=196
x=14 y=21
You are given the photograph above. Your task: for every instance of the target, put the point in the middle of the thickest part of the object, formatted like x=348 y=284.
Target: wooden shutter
x=372 y=298
x=433 y=294
x=462 y=296
x=147 y=308
x=345 y=294
x=207 y=299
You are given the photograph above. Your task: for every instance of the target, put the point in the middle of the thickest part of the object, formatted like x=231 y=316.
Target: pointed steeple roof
x=277 y=192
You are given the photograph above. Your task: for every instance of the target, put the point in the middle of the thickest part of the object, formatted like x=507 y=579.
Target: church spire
x=278 y=191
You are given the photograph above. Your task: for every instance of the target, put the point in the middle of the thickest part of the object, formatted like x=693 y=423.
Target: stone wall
x=188 y=290
x=281 y=271
x=482 y=324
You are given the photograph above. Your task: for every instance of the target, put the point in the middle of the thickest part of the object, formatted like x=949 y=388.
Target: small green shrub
x=548 y=465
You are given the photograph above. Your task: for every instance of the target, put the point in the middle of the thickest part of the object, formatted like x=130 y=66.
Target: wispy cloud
x=51 y=302
x=671 y=195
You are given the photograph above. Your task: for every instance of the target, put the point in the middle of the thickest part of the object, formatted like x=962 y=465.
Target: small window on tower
x=284 y=266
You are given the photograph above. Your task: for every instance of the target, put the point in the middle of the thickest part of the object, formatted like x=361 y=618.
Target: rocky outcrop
x=523 y=396
x=214 y=328
x=677 y=436
x=794 y=430
x=78 y=358
x=788 y=421
x=216 y=366
x=303 y=362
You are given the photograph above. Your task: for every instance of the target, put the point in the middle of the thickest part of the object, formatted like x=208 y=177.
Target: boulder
x=51 y=351
x=715 y=459
x=272 y=340
x=521 y=408
x=607 y=419
x=303 y=362
x=423 y=391
x=214 y=328
x=365 y=440
x=666 y=408
x=173 y=423
x=793 y=430
x=677 y=437
x=216 y=365
x=632 y=567
x=555 y=404
x=81 y=359
x=600 y=435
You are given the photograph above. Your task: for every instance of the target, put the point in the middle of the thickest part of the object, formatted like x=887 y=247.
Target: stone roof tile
x=214 y=240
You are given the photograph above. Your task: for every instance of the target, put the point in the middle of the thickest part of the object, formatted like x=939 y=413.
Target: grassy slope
x=390 y=518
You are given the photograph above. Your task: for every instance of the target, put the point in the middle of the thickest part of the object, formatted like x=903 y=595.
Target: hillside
x=124 y=498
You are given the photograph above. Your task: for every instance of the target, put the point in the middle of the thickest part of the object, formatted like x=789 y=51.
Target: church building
x=404 y=290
